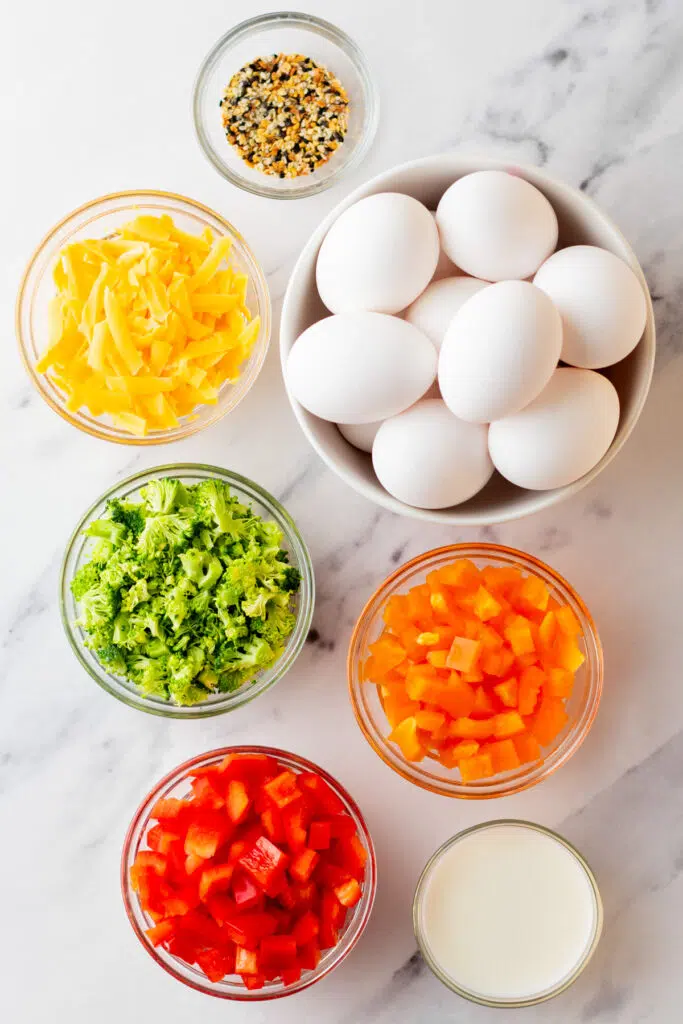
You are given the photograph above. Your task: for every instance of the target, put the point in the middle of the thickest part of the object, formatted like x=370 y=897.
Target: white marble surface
x=95 y=98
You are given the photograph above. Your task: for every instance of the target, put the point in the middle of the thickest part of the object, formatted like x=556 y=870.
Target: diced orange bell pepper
x=531 y=592
x=527 y=747
x=547 y=630
x=500 y=579
x=549 y=720
x=455 y=697
x=567 y=652
x=478 y=767
x=469 y=729
x=463 y=654
x=567 y=621
x=490 y=639
x=485 y=606
x=395 y=613
x=405 y=735
x=484 y=704
x=428 y=720
x=559 y=683
x=398 y=708
x=504 y=756
x=418 y=681
x=518 y=635
x=507 y=724
x=530 y=682
x=507 y=692
x=387 y=652
x=437 y=659
x=461 y=573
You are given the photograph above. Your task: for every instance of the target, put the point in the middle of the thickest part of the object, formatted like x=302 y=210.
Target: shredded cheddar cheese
x=147 y=324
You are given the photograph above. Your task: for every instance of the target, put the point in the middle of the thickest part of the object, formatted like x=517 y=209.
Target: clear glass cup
x=97 y=219
x=419 y=929
x=176 y=784
x=284 y=32
x=264 y=505
x=581 y=707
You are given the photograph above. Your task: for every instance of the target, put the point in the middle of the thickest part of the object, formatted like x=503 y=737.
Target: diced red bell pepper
x=156 y=862
x=248 y=767
x=221 y=908
x=215 y=879
x=246 y=961
x=161 y=932
x=331 y=875
x=237 y=801
x=287 y=897
x=206 y=771
x=206 y=794
x=290 y=975
x=271 y=820
x=216 y=963
x=348 y=893
x=306 y=928
x=247 y=930
x=303 y=864
x=352 y=855
x=193 y=862
x=237 y=849
x=309 y=956
x=305 y=894
x=183 y=948
x=277 y=950
x=331 y=919
x=246 y=893
x=342 y=826
x=206 y=833
x=253 y=981
x=175 y=906
x=284 y=918
x=325 y=798
x=266 y=864
x=294 y=818
x=283 y=789
x=161 y=840
x=320 y=835
x=168 y=809
x=201 y=929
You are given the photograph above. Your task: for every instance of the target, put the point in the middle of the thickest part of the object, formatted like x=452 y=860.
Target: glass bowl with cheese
x=143 y=317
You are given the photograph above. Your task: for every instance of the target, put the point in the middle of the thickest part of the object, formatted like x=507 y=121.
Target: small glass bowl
x=581 y=707
x=264 y=505
x=176 y=784
x=284 y=32
x=542 y=997
x=97 y=219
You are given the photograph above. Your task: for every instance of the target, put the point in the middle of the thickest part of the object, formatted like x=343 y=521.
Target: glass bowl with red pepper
x=248 y=873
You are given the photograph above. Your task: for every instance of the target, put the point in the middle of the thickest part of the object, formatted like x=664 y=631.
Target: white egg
x=496 y=225
x=499 y=351
x=561 y=435
x=360 y=435
x=378 y=255
x=428 y=458
x=444 y=267
x=360 y=367
x=601 y=302
x=433 y=311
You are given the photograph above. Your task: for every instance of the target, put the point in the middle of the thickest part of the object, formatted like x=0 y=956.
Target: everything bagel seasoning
x=284 y=114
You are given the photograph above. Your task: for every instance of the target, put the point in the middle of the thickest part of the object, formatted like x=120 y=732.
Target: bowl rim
x=129 y=196
x=175 y=776
x=333 y=34
x=508 y=1003
x=458 y=166
x=455 y=789
x=245 y=694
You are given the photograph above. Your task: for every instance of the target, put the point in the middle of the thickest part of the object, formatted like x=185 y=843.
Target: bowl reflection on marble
x=430 y=774
x=581 y=222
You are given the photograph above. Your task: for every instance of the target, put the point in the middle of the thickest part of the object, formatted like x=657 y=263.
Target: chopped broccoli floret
x=187 y=591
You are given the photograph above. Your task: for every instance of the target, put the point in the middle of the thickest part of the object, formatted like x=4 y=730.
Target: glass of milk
x=507 y=913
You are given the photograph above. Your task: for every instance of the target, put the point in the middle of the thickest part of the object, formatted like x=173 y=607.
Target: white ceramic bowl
x=581 y=222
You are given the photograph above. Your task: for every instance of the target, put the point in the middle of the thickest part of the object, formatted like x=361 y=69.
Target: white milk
x=507 y=912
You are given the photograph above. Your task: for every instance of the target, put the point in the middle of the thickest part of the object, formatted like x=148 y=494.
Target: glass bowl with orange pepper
x=475 y=670
x=248 y=873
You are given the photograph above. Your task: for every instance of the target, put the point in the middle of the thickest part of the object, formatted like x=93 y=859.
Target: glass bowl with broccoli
x=186 y=591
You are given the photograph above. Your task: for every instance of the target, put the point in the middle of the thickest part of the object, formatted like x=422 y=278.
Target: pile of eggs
x=441 y=354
